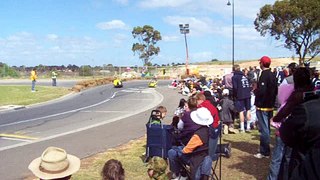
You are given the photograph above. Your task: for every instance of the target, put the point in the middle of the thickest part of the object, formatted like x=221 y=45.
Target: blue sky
x=97 y=32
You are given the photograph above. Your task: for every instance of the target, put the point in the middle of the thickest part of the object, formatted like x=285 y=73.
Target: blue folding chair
x=159 y=139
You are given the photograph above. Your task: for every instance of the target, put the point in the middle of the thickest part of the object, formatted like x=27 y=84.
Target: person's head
x=225 y=92
x=265 y=62
x=54 y=164
x=292 y=68
x=301 y=78
x=192 y=103
x=236 y=67
x=200 y=98
x=202 y=117
x=182 y=103
x=157 y=167
x=316 y=74
x=163 y=111
x=112 y=170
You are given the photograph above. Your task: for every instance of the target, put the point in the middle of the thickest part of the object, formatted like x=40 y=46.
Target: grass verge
x=241 y=165
x=22 y=95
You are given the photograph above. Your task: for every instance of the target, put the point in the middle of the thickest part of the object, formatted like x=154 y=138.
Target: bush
x=6 y=71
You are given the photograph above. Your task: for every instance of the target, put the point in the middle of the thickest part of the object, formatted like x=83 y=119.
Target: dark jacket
x=200 y=152
x=189 y=127
x=227 y=106
x=241 y=86
x=266 y=92
x=301 y=132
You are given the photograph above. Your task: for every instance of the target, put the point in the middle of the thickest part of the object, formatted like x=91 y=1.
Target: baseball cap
x=265 y=60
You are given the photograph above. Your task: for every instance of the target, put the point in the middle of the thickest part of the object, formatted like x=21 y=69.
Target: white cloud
x=114 y=24
x=163 y=3
x=170 y=38
x=201 y=56
x=28 y=49
x=123 y=2
x=119 y=40
x=52 y=37
x=197 y=26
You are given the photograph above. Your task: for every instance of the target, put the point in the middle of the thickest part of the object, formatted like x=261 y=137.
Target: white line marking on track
x=149 y=106
x=16 y=139
x=59 y=114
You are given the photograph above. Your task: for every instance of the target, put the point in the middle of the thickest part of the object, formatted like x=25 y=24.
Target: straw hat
x=54 y=163
x=202 y=116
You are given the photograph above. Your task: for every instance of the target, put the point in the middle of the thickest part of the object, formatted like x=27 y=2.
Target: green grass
x=241 y=166
x=22 y=95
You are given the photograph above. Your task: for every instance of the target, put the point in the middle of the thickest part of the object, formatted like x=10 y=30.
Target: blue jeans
x=176 y=157
x=214 y=134
x=204 y=168
x=33 y=85
x=264 y=127
x=275 y=163
x=54 y=82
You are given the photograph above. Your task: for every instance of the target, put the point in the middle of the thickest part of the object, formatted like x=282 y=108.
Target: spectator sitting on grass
x=157 y=168
x=160 y=113
x=113 y=170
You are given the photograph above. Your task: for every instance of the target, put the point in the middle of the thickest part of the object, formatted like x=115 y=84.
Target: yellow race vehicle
x=153 y=83
x=117 y=83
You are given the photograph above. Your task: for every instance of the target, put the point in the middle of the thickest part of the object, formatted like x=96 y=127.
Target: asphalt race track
x=84 y=123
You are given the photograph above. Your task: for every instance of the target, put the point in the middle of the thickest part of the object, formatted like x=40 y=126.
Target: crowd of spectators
x=242 y=100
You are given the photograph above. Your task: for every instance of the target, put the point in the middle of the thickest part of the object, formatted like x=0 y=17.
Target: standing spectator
x=301 y=132
x=265 y=92
x=33 y=77
x=242 y=95
x=316 y=80
x=113 y=170
x=227 y=106
x=54 y=78
x=289 y=96
x=55 y=164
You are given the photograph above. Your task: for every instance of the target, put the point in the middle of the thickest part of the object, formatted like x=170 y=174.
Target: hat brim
x=196 y=120
x=74 y=166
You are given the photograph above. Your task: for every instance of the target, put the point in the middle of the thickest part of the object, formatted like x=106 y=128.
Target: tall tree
x=296 y=22
x=148 y=38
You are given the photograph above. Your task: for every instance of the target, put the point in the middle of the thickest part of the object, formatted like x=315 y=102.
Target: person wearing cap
x=157 y=168
x=265 y=92
x=55 y=163
x=227 y=107
x=195 y=153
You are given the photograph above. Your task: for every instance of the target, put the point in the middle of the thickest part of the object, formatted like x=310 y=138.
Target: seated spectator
x=186 y=125
x=196 y=150
x=157 y=168
x=180 y=109
x=113 y=170
x=160 y=113
x=55 y=163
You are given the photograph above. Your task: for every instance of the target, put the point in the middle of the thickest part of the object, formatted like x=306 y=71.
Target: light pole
x=229 y=3
x=184 y=29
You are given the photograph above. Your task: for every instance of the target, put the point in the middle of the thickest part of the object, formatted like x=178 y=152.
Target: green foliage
x=7 y=71
x=85 y=71
x=296 y=22
x=148 y=38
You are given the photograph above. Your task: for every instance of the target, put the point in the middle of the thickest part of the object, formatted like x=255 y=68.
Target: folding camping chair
x=214 y=136
x=159 y=138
